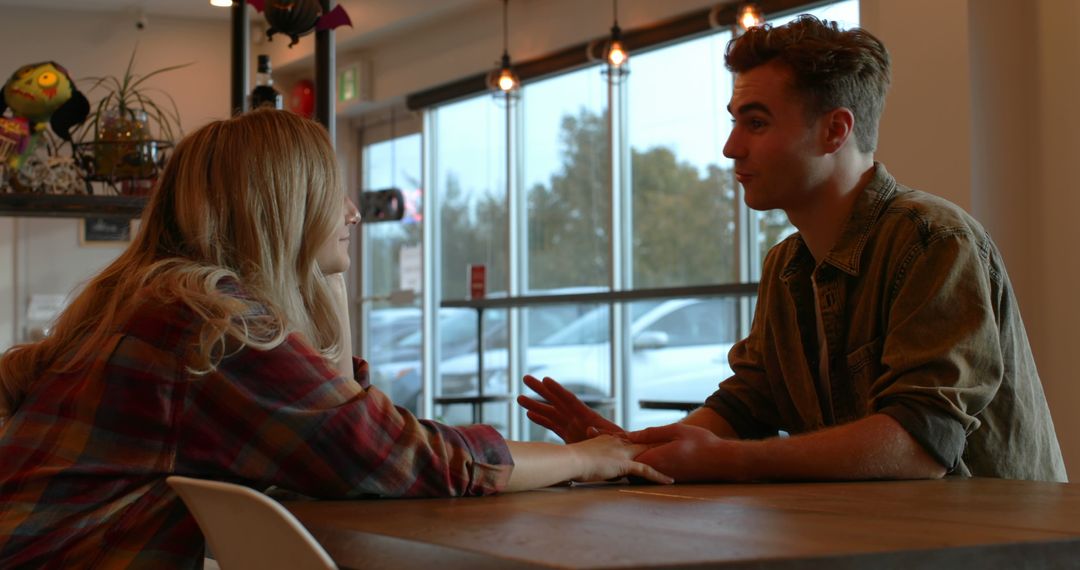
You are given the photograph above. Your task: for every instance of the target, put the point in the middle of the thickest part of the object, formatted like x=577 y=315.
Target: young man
x=887 y=340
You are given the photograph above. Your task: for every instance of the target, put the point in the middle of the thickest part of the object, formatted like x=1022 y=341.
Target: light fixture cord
x=393 y=152
x=506 y=27
x=615 y=11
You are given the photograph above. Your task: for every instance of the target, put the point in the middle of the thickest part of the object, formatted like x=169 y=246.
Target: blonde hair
x=250 y=198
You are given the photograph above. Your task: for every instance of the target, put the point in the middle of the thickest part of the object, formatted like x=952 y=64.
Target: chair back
x=247 y=529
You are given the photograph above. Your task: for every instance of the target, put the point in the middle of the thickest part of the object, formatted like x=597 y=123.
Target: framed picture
x=104 y=231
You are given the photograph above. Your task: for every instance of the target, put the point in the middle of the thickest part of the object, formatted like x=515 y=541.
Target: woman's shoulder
x=171 y=316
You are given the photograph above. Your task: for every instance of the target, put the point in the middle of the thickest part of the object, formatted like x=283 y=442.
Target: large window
x=470 y=180
x=528 y=190
x=391 y=255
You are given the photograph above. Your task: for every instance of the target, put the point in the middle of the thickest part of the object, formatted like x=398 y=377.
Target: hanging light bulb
x=750 y=16
x=507 y=80
x=615 y=52
x=502 y=80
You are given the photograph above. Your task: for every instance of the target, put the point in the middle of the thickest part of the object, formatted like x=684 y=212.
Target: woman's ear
x=839 y=127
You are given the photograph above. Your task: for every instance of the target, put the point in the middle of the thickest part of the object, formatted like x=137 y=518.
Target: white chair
x=247 y=529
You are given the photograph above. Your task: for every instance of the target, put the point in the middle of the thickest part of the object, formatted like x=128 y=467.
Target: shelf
x=70 y=206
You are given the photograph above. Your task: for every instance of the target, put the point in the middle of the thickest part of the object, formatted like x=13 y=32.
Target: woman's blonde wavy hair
x=250 y=198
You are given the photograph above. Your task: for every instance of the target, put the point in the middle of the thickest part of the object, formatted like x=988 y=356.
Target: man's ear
x=839 y=127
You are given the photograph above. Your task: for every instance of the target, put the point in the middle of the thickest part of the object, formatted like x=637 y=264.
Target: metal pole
x=324 y=76
x=241 y=67
x=480 y=364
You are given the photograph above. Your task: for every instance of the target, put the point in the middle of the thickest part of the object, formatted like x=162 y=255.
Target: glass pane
x=566 y=167
x=679 y=353
x=572 y=344
x=470 y=180
x=683 y=189
x=395 y=368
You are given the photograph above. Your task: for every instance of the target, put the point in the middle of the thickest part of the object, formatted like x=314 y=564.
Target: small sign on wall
x=477 y=280
x=348 y=84
x=104 y=231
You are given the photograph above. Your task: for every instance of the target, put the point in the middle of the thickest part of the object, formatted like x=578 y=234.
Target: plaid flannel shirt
x=83 y=461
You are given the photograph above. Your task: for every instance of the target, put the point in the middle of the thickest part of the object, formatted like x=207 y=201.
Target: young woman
x=214 y=347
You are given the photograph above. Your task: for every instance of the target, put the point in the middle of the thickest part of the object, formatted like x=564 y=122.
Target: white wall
x=43 y=255
x=1050 y=181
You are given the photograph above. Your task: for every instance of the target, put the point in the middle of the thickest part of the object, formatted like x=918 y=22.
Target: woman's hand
x=611 y=457
x=564 y=413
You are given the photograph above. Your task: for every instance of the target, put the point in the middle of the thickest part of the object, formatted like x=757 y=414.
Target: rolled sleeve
x=941 y=359
x=939 y=434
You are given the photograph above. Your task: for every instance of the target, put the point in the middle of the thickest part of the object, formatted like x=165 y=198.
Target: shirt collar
x=846 y=253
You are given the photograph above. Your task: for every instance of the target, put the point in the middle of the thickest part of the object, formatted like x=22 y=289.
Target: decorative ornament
x=302 y=98
x=296 y=18
x=44 y=92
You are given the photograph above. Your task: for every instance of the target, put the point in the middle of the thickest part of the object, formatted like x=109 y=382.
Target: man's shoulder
x=926 y=214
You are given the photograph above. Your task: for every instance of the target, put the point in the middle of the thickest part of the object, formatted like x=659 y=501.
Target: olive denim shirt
x=921 y=324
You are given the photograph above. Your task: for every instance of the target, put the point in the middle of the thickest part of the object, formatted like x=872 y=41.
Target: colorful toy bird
x=43 y=92
x=296 y=18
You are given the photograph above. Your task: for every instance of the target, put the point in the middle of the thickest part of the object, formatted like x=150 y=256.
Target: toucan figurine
x=296 y=18
x=44 y=92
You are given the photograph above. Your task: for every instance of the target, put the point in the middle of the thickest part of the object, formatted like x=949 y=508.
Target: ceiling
x=178 y=8
x=372 y=19
x=390 y=13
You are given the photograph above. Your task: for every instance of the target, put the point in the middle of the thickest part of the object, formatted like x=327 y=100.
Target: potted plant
x=127 y=126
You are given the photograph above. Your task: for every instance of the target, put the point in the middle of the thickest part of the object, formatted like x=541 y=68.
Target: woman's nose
x=352 y=214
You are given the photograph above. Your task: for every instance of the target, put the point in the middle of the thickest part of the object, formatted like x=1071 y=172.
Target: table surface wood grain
x=952 y=523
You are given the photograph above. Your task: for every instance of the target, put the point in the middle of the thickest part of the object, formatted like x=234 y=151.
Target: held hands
x=608 y=457
x=563 y=413
x=691 y=453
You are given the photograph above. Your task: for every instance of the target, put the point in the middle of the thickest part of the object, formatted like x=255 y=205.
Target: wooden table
x=969 y=524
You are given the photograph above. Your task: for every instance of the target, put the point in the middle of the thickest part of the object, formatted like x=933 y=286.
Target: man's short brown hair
x=832 y=68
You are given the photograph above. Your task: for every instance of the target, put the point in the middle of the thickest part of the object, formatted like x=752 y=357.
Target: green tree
x=569 y=241
x=683 y=220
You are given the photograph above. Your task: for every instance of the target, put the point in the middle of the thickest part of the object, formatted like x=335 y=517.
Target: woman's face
x=333 y=256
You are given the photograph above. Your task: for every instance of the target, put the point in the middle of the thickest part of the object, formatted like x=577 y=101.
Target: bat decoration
x=296 y=18
x=44 y=92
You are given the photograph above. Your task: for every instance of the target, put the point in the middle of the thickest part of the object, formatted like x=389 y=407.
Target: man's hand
x=691 y=453
x=609 y=457
x=563 y=413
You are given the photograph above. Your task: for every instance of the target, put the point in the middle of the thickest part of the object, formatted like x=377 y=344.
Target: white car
x=679 y=353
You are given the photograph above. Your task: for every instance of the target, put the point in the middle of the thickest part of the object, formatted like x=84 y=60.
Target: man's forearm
x=875 y=447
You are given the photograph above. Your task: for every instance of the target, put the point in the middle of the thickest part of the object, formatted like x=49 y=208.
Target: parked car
x=396 y=367
x=678 y=352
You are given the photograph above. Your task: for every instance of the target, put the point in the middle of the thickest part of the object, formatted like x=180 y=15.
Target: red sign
x=477 y=281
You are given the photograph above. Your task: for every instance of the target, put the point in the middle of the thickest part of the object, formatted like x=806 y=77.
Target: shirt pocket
x=864 y=367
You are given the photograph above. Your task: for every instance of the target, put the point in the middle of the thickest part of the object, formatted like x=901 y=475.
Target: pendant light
x=502 y=81
x=750 y=16
x=615 y=53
